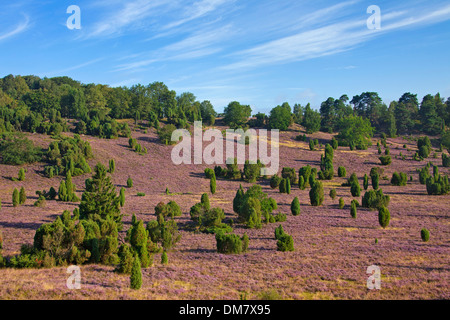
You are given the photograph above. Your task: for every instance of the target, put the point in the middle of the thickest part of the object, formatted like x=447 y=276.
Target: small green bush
x=385 y=160
x=384 y=217
x=333 y=194
x=342 y=172
x=353 y=210
x=399 y=179
x=285 y=243
x=15 y=198
x=275 y=181
x=425 y=235
x=129 y=183
x=230 y=243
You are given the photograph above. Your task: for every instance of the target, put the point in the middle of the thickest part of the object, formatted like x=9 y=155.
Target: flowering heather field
x=332 y=250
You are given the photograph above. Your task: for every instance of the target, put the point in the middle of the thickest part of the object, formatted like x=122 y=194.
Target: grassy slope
x=332 y=253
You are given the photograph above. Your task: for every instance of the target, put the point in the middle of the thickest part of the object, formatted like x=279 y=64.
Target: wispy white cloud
x=198 y=9
x=197 y=45
x=23 y=26
x=331 y=39
x=76 y=67
x=129 y=14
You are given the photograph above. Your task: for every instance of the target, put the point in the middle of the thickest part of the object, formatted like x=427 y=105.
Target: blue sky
x=257 y=52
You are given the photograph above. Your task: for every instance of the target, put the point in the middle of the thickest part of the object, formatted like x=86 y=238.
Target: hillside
x=332 y=250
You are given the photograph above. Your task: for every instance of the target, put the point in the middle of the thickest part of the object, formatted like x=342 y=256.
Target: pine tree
x=100 y=201
x=136 y=274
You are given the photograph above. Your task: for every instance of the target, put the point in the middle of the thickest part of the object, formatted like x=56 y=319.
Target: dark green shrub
x=285 y=243
x=231 y=243
x=334 y=144
x=164 y=258
x=21 y=176
x=341 y=203
x=355 y=188
x=301 y=183
x=129 y=183
x=126 y=259
x=205 y=201
x=353 y=210
x=375 y=181
x=333 y=194
x=424 y=146
x=238 y=200
x=209 y=173
x=295 y=207
x=275 y=181
x=15 y=198
x=384 y=217
x=385 y=160
x=316 y=194
x=342 y=172
x=22 y=196
x=289 y=173
x=425 y=235
x=445 y=160
x=311 y=145
x=122 y=197
x=41 y=202
x=437 y=185
x=136 y=275
x=17 y=151
x=366 y=182
x=305 y=172
x=279 y=232
x=399 y=179
x=375 y=199
x=212 y=185
x=112 y=166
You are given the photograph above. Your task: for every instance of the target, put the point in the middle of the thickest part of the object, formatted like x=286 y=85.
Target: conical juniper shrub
x=295 y=207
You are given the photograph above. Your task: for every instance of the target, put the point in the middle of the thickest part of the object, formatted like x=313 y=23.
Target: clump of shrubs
x=399 y=179
x=231 y=243
x=375 y=199
x=252 y=205
x=385 y=160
